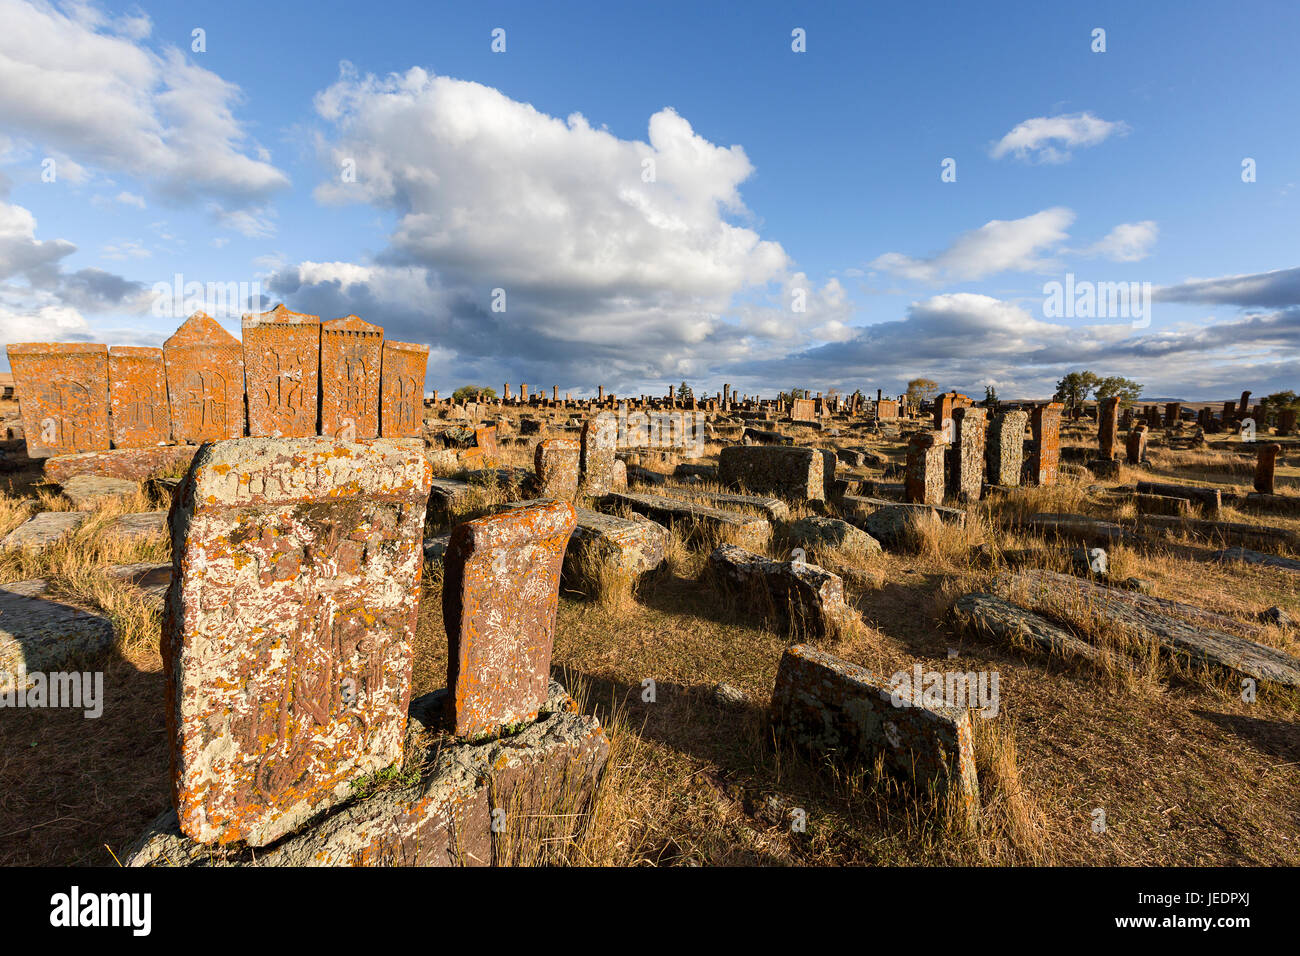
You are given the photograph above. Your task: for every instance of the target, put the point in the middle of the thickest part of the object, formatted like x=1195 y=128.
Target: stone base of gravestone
x=465 y=805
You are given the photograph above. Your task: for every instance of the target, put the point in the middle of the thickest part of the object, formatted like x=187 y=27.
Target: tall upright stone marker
x=282 y=369
x=923 y=480
x=500 y=593
x=970 y=425
x=1045 y=421
x=137 y=395
x=596 y=446
x=1108 y=428
x=1265 y=468
x=351 y=356
x=401 y=389
x=1005 y=448
x=62 y=396
x=287 y=628
x=205 y=381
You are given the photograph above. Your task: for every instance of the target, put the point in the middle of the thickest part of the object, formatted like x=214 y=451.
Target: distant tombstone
x=351 y=353
x=803 y=410
x=1108 y=428
x=1135 y=448
x=923 y=480
x=1173 y=414
x=500 y=593
x=401 y=389
x=137 y=393
x=288 y=626
x=556 y=465
x=282 y=372
x=1265 y=467
x=205 y=381
x=1005 y=448
x=1045 y=422
x=62 y=396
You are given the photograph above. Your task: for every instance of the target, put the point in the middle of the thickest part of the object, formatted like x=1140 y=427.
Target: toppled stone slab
x=991 y=616
x=1082 y=528
x=1163 y=505
x=1256 y=557
x=828 y=705
x=446 y=496
x=500 y=593
x=688 y=470
x=1181 y=629
x=806 y=599
x=152 y=580
x=1229 y=532
x=773 y=509
x=140 y=524
x=758 y=436
x=746 y=530
x=41 y=634
x=1273 y=503
x=816 y=533
x=797 y=473
x=891 y=522
x=133 y=464
x=86 y=491
x=1209 y=500
x=636 y=475
x=548 y=771
x=288 y=626
x=44 y=529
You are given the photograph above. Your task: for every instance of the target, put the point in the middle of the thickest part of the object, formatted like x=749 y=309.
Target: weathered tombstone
x=137 y=397
x=1265 y=466
x=1135 y=448
x=1243 y=406
x=63 y=396
x=924 y=478
x=1046 y=425
x=1108 y=428
x=288 y=627
x=401 y=391
x=501 y=580
x=803 y=410
x=597 y=443
x=1286 y=419
x=205 y=381
x=556 y=465
x=1173 y=414
x=785 y=471
x=351 y=353
x=1005 y=448
x=970 y=424
x=282 y=373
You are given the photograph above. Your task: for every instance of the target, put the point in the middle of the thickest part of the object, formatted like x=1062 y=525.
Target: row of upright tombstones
x=293 y=376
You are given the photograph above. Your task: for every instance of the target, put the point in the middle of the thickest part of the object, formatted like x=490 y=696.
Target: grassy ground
x=1185 y=771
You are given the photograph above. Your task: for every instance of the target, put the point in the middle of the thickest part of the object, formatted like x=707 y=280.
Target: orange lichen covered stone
x=1045 y=422
x=501 y=581
x=282 y=372
x=351 y=351
x=401 y=393
x=63 y=396
x=137 y=396
x=205 y=381
x=287 y=628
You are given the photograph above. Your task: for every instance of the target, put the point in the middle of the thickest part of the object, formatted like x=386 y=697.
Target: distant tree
x=1127 y=390
x=1074 y=389
x=794 y=393
x=990 y=397
x=684 y=392
x=921 y=390
x=468 y=393
x=1287 y=399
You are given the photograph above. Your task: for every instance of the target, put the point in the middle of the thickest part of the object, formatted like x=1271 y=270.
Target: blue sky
x=796 y=231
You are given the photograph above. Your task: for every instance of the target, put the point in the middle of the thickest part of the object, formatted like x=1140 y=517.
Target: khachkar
x=304 y=377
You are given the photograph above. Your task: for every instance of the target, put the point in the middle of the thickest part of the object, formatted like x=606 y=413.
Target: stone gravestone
x=802 y=410
x=401 y=389
x=923 y=481
x=282 y=371
x=1045 y=423
x=63 y=396
x=1286 y=419
x=351 y=351
x=205 y=381
x=597 y=442
x=1006 y=448
x=500 y=593
x=287 y=628
x=137 y=395
x=1135 y=449
x=555 y=464
x=1265 y=466
x=969 y=426
x=1108 y=428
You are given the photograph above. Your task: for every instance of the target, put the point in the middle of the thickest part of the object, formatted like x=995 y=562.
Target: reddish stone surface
x=351 y=353
x=803 y=410
x=886 y=409
x=1265 y=467
x=62 y=395
x=501 y=579
x=1108 y=428
x=555 y=463
x=1135 y=448
x=1045 y=421
x=923 y=480
x=401 y=392
x=287 y=628
x=205 y=381
x=135 y=464
x=1173 y=414
x=282 y=373
x=137 y=394
x=1286 y=419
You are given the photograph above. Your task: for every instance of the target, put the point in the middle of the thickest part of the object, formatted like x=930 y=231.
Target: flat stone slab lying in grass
x=150 y=579
x=1257 y=557
x=745 y=530
x=134 y=464
x=816 y=533
x=442 y=818
x=446 y=495
x=86 y=491
x=1229 y=532
x=633 y=545
x=44 y=529
x=992 y=616
x=773 y=509
x=38 y=633
x=1209 y=500
x=1082 y=528
x=831 y=706
x=141 y=524
x=1181 y=629
x=1272 y=504
x=891 y=522
x=808 y=600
